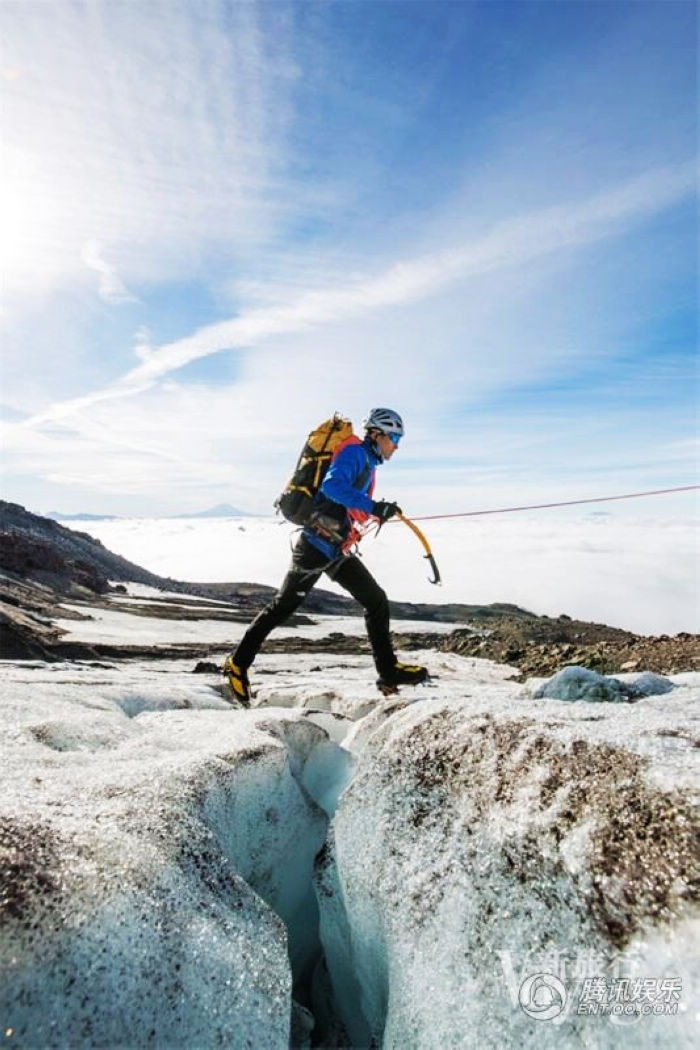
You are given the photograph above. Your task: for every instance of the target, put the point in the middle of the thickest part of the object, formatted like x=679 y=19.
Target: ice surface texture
x=150 y=866
x=481 y=841
x=167 y=860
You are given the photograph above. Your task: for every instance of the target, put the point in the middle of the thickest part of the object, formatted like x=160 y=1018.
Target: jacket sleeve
x=342 y=477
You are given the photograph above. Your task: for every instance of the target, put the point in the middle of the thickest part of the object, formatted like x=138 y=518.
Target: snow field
x=122 y=628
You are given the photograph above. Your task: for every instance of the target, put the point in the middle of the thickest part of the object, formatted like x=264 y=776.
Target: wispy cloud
x=111 y=287
x=511 y=243
x=352 y=239
x=155 y=141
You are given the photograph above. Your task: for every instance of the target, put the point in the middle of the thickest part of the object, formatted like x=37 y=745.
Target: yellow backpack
x=297 y=500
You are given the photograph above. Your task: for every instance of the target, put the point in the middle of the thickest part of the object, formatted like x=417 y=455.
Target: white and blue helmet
x=385 y=420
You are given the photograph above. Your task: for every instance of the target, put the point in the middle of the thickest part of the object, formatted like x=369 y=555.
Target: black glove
x=384 y=510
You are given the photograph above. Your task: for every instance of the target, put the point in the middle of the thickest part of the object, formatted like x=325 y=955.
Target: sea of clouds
x=639 y=574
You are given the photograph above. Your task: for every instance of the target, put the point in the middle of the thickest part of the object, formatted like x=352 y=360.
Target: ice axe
x=426 y=547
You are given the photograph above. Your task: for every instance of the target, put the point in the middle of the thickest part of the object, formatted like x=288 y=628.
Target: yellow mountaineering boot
x=238 y=680
x=400 y=674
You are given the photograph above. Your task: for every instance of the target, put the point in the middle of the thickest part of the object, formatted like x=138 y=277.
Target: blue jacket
x=345 y=487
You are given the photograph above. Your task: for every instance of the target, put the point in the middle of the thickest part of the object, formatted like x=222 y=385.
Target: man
x=343 y=500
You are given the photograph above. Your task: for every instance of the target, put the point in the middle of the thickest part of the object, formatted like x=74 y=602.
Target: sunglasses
x=394 y=438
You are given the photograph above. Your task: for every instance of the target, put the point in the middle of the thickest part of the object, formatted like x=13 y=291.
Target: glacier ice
x=647 y=683
x=580 y=683
x=484 y=839
x=156 y=872
x=177 y=873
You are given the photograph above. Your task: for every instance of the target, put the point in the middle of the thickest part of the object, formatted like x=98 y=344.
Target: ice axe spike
x=426 y=547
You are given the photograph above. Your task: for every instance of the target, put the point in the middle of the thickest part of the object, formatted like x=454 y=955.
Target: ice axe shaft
x=426 y=546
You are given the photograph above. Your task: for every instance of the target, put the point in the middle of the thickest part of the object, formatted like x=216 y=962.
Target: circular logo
x=542 y=996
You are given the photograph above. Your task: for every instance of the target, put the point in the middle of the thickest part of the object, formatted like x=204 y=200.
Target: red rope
x=543 y=506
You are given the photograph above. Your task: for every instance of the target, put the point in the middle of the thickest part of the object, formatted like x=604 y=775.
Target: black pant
x=307 y=565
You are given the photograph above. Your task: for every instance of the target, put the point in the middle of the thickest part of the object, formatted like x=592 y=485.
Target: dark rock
x=206 y=667
x=17 y=643
x=74 y=651
x=30 y=556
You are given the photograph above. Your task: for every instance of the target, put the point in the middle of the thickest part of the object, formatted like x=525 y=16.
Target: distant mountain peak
x=221 y=510
x=56 y=515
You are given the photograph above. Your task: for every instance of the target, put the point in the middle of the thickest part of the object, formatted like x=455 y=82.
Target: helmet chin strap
x=373 y=443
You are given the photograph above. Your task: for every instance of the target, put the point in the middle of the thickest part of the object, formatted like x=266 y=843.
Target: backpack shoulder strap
x=353 y=439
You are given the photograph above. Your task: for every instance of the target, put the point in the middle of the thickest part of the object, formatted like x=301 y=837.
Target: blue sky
x=224 y=221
